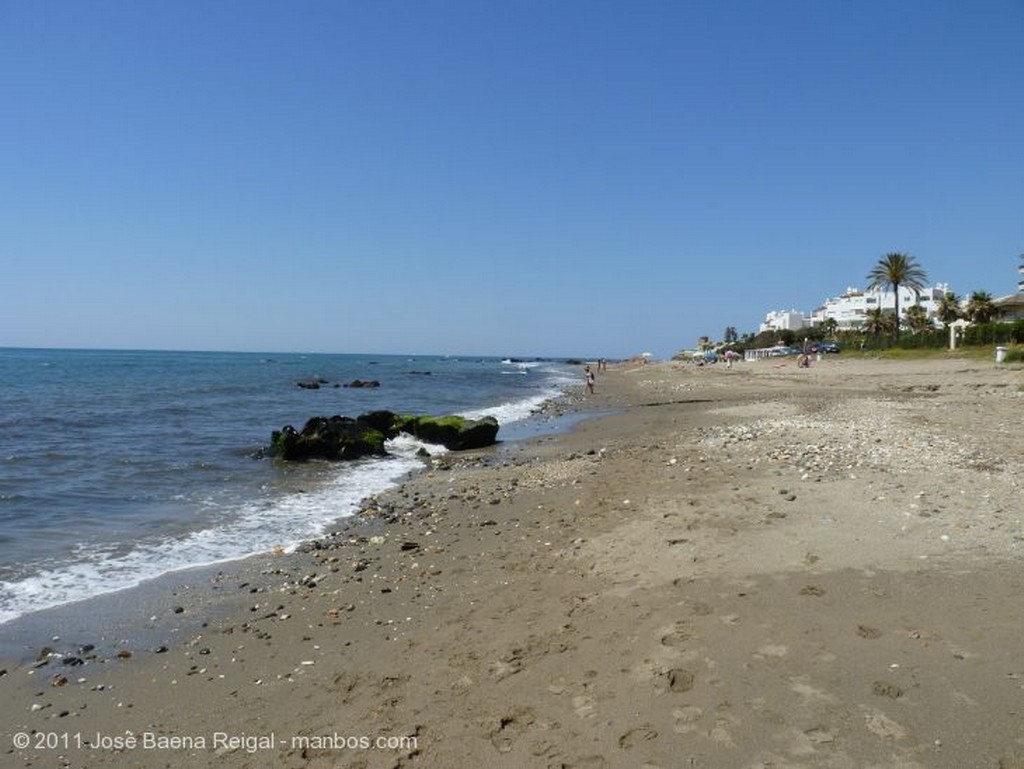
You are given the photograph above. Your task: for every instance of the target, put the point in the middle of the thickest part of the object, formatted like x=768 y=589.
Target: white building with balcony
x=850 y=308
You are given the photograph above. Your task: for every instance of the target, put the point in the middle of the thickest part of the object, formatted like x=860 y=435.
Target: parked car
x=781 y=351
x=822 y=347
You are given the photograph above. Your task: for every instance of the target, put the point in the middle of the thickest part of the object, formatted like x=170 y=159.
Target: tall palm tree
x=980 y=308
x=830 y=326
x=897 y=270
x=949 y=308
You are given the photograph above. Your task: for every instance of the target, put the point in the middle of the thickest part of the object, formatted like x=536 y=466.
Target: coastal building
x=1011 y=307
x=784 y=320
x=851 y=307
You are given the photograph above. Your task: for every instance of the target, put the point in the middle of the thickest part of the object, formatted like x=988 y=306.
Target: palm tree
x=877 y=321
x=830 y=326
x=917 y=318
x=949 y=308
x=980 y=308
x=897 y=270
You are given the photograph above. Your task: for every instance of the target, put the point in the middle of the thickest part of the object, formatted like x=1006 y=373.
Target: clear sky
x=525 y=177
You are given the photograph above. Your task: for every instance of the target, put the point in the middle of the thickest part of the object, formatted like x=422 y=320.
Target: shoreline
x=151 y=615
x=732 y=567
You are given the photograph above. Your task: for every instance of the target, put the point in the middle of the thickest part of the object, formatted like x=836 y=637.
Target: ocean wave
x=253 y=528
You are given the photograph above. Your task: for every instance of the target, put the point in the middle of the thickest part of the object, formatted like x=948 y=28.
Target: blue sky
x=471 y=177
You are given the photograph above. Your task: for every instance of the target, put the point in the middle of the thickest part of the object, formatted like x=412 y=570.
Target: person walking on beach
x=589 y=376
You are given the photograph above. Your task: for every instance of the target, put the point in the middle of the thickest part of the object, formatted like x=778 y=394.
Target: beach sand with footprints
x=760 y=566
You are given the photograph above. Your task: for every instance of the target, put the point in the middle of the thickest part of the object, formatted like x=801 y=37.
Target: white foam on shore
x=515 y=411
x=258 y=527
x=252 y=528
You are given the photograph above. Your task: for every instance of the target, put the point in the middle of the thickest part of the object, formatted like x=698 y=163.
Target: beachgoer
x=589 y=375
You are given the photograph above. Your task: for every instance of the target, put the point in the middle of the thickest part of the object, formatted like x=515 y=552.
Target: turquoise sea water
x=119 y=466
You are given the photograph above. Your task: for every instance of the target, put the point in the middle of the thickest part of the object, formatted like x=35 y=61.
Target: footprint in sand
x=636 y=736
x=881 y=725
x=801 y=686
x=679 y=680
x=345 y=684
x=583 y=706
x=677 y=636
x=507 y=665
x=687 y=719
x=772 y=650
x=509 y=728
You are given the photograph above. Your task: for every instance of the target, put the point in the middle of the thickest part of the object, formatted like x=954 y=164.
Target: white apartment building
x=784 y=320
x=850 y=308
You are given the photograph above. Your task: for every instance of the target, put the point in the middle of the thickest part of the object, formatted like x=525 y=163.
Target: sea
x=118 y=467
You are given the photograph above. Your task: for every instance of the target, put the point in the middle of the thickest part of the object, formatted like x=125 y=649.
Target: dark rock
x=328 y=438
x=309 y=385
x=340 y=437
x=452 y=432
x=363 y=383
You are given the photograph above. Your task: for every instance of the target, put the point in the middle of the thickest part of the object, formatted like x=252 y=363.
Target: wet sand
x=749 y=567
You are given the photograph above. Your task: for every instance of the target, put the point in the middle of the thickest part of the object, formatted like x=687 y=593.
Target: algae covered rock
x=341 y=437
x=452 y=432
x=334 y=437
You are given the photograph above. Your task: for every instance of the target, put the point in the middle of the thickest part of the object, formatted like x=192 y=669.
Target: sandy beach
x=759 y=566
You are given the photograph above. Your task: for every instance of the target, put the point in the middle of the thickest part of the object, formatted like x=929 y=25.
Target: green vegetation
x=878 y=334
x=1015 y=356
x=980 y=308
x=897 y=270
